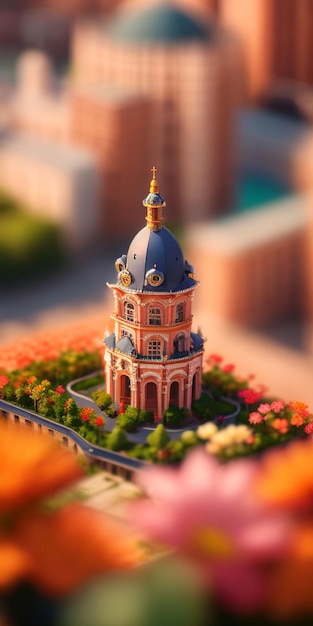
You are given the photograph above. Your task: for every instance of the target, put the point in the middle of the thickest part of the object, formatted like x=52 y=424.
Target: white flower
x=207 y=430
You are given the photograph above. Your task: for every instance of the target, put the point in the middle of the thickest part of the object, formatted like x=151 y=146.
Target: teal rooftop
x=161 y=23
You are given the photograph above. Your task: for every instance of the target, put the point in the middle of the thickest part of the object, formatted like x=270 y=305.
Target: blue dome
x=153 y=199
x=156 y=263
x=159 y=23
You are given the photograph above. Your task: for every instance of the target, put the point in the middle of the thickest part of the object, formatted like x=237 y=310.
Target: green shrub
x=189 y=438
x=70 y=364
x=88 y=383
x=173 y=416
x=117 y=439
x=112 y=411
x=127 y=423
x=202 y=407
x=146 y=417
x=175 y=451
x=158 y=438
x=102 y=399
x=132 y=412
x=29 y=244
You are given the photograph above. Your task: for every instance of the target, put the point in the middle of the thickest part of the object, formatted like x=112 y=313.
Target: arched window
x=180 y=313
x=129 y=311
x=151 y=399
x=127 y=333
x=195 y=385
x=154 y=316
x=154 y=349
x=125 y=389
x=180 y=343
x=174 y=393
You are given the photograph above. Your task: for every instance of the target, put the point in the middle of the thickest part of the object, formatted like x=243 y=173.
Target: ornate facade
x=153 y=359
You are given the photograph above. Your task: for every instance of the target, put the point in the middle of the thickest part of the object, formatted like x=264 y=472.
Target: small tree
x=158 y=438
x=102 y=399
x=127 y=423
x=117 y=439
x=146 y=417
x=173 y=416
x=202 y=407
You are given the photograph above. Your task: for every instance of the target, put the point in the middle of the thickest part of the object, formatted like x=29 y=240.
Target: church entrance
x=151 y=397
x=174 y=393
x=125 y=390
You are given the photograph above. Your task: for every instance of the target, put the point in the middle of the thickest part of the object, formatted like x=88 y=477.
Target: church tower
x=153 y=359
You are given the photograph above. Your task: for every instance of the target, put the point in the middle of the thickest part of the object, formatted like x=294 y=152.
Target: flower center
x=212 y=542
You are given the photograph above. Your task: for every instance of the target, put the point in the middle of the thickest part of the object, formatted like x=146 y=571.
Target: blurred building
x=152 y=84
x=55 y=181
x=276 y=37
x=254 y=268
x=190 y=72
x=277 y=146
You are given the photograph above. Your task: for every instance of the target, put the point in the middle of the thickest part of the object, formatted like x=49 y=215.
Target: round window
x=125 y=278
x=154 y=278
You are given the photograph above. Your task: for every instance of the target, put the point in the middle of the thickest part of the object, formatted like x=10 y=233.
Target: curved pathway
x=141 y=434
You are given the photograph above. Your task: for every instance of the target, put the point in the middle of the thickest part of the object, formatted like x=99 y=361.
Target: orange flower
x=280 y=424
x=299 y=407
x=54 y=550
x=14 y=563
x=286 y=475
x=297 y=420
x=32 y=467
x=290 y=582
x=72 y=545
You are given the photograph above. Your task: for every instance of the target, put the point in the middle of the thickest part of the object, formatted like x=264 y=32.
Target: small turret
x=154 y=204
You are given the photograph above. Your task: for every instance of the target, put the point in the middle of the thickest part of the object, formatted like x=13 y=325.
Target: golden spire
x=154 y=204
x=154 y=187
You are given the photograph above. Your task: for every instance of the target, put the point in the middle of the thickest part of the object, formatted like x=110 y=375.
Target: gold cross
x=154 y=171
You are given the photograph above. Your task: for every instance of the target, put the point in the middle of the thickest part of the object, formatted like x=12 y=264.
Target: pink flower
x=60 y=389
x=255 y=418
x=206 y=511
x=309 y=428
x=264 y=408
x=277 y=406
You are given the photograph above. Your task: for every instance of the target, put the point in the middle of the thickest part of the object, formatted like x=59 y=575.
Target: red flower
x=3 y=381
x=60 y=389
x=86 y=413
x=99 y=421
x=228 y=368
x=249 y=396
x=215 y=358
x=309 y=428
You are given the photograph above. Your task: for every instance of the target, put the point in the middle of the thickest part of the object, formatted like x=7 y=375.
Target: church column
x=189 y=387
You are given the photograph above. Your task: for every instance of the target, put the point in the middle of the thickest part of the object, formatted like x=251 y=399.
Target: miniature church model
x=153 y=359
